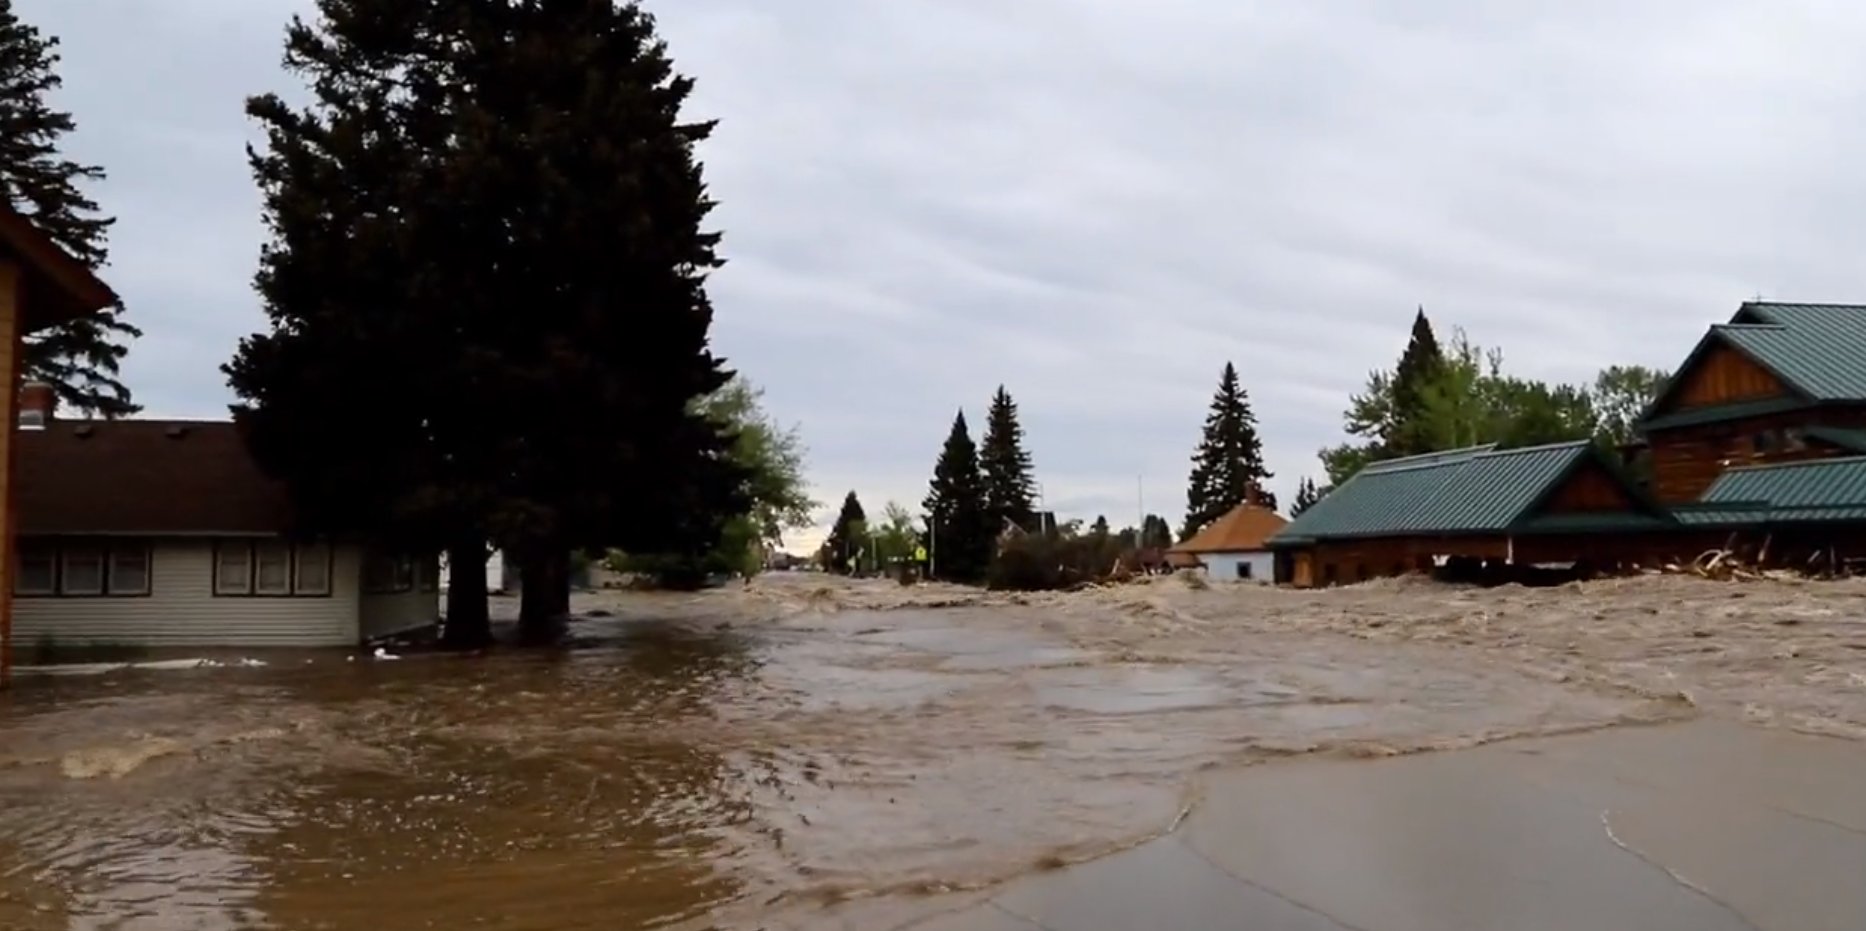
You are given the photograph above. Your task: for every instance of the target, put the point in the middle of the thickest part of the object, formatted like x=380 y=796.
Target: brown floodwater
x=737 y=760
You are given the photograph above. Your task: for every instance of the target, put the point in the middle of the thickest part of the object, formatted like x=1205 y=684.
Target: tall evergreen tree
x=80 y=358
x=1404 y=434
x=486 y=288
x=1009 y=485
x=845 y=536
x=958 y=533
x=1306 y=496
x=1229 y=461
x=1099 y=529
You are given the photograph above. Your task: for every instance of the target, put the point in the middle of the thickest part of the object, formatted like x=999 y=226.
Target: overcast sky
x=1098 y=204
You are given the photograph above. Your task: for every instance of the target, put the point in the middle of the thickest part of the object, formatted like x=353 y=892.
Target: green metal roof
x=1477 y=490
x=1491 y=491
x=1817 y=490
x=1818 y=349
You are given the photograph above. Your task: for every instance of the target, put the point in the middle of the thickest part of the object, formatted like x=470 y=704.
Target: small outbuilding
x=1234 y=547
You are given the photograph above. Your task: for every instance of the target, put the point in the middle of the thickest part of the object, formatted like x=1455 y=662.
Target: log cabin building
x=1760 y=435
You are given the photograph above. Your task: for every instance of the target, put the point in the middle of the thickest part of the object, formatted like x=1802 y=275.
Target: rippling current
x=731 y=762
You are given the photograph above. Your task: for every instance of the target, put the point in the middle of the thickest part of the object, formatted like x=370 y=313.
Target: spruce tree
x=1009 y=486
x=959 y=537
x=1228 y=463
x=845 y=536
x=1421 y=362
x=1306 y=496
x=486 y=286
x=80 y=358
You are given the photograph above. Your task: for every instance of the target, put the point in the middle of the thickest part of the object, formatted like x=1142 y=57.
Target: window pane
x=129 y=570
x=273 y=568
x=233 y=569
x=84 y=570
x=37 y=571
x=313 y=570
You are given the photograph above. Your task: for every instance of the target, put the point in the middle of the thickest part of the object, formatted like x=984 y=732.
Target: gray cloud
x=1098 y=204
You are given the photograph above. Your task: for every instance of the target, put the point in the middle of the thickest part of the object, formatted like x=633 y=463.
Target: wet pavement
x=724 y=761
x=1691 y=827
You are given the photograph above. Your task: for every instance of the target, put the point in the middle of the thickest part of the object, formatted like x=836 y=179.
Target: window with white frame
x=311 y=569
x=81 y=568
x=272 y=568
x=129 y=570
x=233 y=568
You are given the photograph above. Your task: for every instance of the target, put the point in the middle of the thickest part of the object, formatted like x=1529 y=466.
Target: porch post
x=12 y=300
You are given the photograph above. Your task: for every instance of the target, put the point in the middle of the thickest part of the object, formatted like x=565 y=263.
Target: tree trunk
x=469 y=623
x=544 y=592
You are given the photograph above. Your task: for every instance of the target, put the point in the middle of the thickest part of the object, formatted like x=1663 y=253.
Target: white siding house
x=1255 y=565
x=161 y=533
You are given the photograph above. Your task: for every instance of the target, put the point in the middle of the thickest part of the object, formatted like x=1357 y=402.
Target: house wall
x=181 y=608
x=1224 y=566
x=1686 y=460
x=385 y=614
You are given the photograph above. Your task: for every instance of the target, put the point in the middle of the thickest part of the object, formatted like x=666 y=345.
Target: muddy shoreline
x=759 y=754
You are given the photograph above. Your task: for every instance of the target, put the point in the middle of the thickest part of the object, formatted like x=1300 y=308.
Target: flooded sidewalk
x=766 y=757
x=1703 y=826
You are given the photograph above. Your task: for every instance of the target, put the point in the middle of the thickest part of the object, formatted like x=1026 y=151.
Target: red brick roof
x=144 y=477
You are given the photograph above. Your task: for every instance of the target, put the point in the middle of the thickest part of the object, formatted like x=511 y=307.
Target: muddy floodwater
x=748 y=757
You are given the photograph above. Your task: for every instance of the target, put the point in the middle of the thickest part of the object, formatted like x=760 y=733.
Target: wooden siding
x=1722 y=376
x=1686 y=460
x=181 y=609
x=1589 y=489
x=383 y=615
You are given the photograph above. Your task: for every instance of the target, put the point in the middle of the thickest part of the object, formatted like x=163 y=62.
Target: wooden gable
x=1589 y=489
x=1722 y=375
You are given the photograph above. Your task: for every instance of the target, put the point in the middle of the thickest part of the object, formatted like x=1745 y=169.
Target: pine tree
x=1099 y=529
x=490 y=214
x=1418 y=365
x=1306 y=496
x=80 y=358
x=1228 y=464
x=1006 y=465
x=845 y=536
x=959 y=537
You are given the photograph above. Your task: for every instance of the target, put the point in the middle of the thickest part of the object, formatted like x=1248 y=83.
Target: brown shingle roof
x=144 y=477
x=1242 y=530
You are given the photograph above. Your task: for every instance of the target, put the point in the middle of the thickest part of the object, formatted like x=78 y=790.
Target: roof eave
x=74 y=290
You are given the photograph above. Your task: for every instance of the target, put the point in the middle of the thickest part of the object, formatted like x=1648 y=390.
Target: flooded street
x=744 y=758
